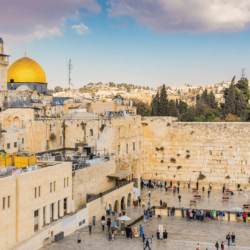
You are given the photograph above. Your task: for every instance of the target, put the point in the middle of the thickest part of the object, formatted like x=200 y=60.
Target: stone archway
x=129 y=200
x=116 y=206
x=17 y=122
x=123 y=203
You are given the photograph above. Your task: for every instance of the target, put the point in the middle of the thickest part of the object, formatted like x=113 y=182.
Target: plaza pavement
x=183 y=234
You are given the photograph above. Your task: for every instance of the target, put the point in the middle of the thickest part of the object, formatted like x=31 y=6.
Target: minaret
x=4 y=63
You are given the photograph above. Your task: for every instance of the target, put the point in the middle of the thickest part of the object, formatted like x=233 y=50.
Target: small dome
x=23 y=88
x=1 y=40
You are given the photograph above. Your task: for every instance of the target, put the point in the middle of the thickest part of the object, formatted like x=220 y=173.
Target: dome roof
x=1 y=40
x=26 y=70
x=23 y=88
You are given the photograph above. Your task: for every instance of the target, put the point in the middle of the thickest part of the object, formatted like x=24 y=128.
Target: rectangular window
x=15 y=144
x=35 y=192
x=50 y=187
x=22 y=140
x=139 y=145
x=8 y=201
x=127 y=148
x=8 y=145
x=4 y=203
x=64 y=182
x=39 y=191
x=67 y=181
x=54 y=186
x=134 y=146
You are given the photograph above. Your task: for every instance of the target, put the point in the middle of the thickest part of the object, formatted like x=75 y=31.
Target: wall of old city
x=181 y=151
x=92 y=180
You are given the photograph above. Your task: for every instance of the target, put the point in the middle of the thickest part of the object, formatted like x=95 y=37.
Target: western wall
x=181 y=151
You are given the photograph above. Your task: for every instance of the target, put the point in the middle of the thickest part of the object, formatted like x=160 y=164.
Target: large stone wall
x=217 y=150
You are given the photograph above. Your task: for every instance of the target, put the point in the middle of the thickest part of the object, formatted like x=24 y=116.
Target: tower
x=4 y=63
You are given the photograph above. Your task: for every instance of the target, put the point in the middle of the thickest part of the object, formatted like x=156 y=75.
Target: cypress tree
x=181 y=107
x=197 y=98
x=241 y=106
x=212 y=102
x=229 y=105
x=176 y=103
x=155 y=105
x=205 y=98
x=163 y=105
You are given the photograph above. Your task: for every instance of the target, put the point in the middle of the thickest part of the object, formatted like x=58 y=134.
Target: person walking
x=179 y=198
x=228 y=239
x=245 y=217
x=113 y=232
x=79 y=239
x=147 y=244
x=103 y=224
x=90 y=228
x=141 y=230
x=158 y=235
x=222 y=245
x=233 y=239
x=149 y=193
x=110 y=236
x=217 y=245
x=208 y=193
x=151 y=237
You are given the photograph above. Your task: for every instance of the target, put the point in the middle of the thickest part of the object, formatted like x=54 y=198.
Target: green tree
x=155 y=105
x=163 y=104
x=241 y=109
x=242 y=85
x=229 y=106
x=212 y=102
x=143 y=108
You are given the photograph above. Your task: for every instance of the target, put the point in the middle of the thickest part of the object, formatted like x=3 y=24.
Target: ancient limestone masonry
x=181 y=151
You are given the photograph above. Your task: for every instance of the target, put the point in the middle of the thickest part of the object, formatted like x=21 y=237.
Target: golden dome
x=26 y=70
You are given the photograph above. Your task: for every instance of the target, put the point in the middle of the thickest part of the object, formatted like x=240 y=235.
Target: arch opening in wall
x=129 y=200
x=123 y=203
x=91 y=133
x=17 y=122
x=116 y=207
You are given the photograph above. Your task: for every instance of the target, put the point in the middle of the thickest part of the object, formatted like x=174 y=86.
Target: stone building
x=4 y=62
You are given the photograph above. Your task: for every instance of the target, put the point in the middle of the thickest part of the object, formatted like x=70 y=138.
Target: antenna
x=70 y=66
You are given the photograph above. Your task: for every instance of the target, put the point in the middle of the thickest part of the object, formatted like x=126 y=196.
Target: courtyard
x=182 y=234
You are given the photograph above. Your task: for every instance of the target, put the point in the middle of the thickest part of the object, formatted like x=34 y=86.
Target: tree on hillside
x=155 y=105
x=143 y=108
x=163 y=105
x=241 y=106
x=58 y=89
x=212 y=102
x=229 y=106
x=242 y=85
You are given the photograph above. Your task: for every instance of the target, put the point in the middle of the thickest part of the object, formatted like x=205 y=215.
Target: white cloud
x=195 y=16
x=81 y=29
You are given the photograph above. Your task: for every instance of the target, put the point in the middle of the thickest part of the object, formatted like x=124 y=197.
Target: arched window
x=91 y=133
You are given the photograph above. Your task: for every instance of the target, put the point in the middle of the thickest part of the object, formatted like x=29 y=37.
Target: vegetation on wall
x=52 y=137
x=173 y=160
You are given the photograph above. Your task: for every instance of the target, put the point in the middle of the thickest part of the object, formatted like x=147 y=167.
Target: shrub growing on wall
x=201 y=176
x=179 y=167
x=173 y=160
x=187 y=156
x=52 y=137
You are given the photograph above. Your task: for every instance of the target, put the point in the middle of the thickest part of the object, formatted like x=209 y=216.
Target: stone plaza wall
x=181 y=151
x=92 y=180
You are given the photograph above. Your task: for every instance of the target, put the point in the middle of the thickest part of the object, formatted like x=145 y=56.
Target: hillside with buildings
x=108 y=91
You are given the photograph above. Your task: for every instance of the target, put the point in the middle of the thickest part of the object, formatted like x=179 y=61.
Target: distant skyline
x=142 y=42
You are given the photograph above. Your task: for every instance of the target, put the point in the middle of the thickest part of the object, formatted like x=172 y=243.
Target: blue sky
x=128 y=48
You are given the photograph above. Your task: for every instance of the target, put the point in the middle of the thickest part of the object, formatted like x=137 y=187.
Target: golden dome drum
x=26 y=70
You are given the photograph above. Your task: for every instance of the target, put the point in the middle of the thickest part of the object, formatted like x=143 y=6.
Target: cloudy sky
x=141 y=42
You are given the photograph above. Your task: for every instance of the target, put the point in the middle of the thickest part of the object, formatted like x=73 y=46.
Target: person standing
x=173 y=210
x=178 y=183
x=203 y=189
x=139 y=199
x=79 y=239
x=147 y=245
x=141 y=230
x=245 y=217
x=115 y=224
x=143 y=204
x=217 y=245
x=103 y=224
x=165 y=236
x=223 y=189
x=149 y=205
x=232 y=194
x=160 y=202
x=228 y=239
x=198 y=247
x=165 y=183
x=110 y=236
x=109 y=223
x=170 y=183
x=158 y=235
x=94 y=218
x=179 y=198
x=149 y=193
x=151 y=237
x=113 y=232
x=222 y=246
x=161 y=184
x=197 y=184
x=178 y=190
x=90 y=228
x=188 y=184
x=208 y=193
x=210 y=185
x=233 y=239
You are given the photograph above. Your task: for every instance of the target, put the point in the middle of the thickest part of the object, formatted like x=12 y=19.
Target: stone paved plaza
x=183 y=234
x=214 y=202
